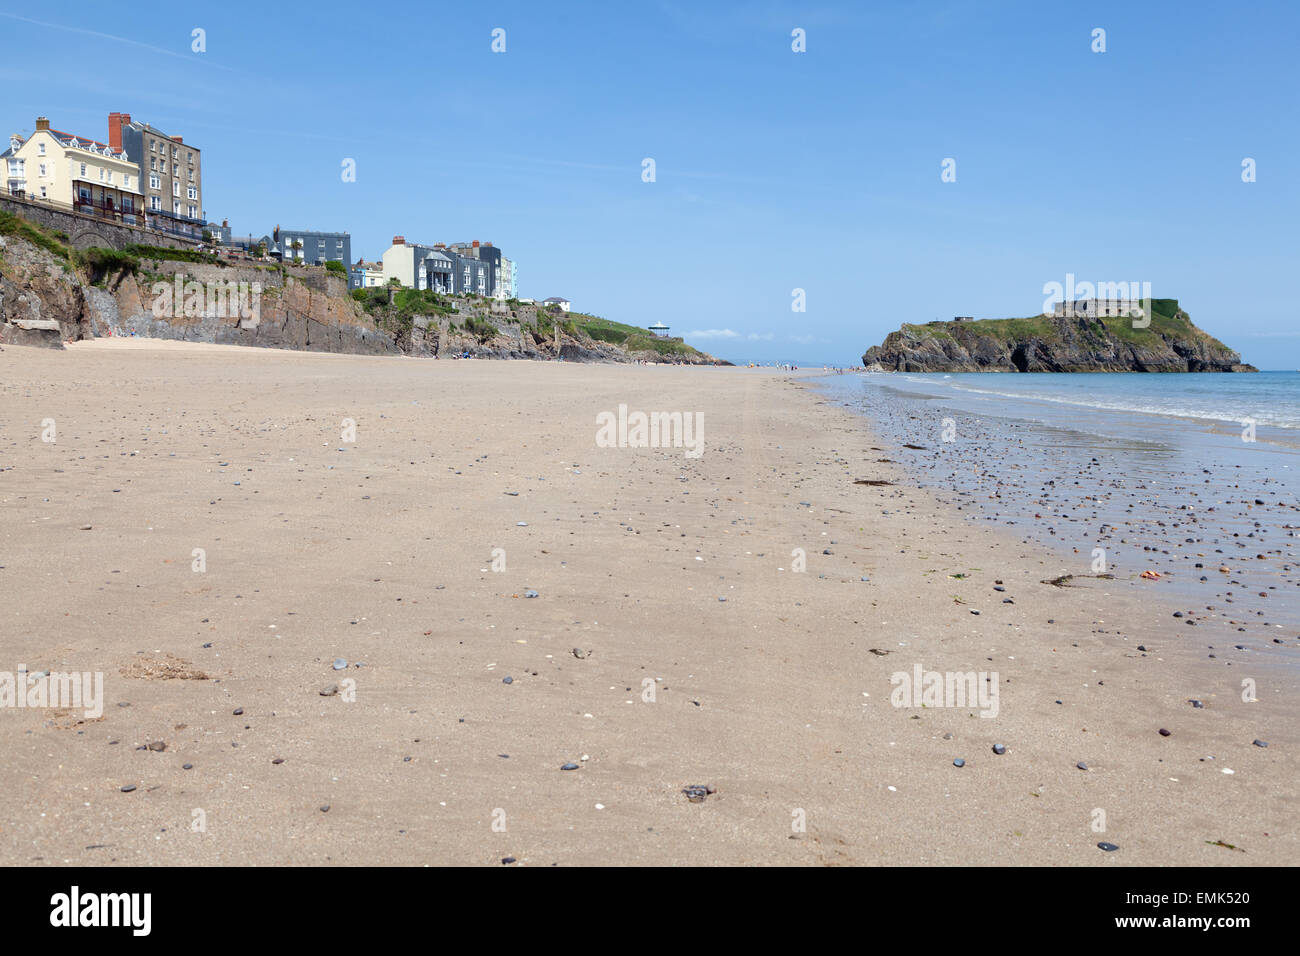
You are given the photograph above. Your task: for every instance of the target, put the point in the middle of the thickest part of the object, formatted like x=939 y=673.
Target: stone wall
x=85 y=231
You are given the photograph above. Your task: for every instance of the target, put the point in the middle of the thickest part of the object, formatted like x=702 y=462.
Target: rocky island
x=1169 y=342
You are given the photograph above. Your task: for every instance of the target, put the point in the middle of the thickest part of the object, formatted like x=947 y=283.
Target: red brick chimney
x=42 y=122
x=115 y=123
x=399 y=240
x=475 y=243
x=178 y=139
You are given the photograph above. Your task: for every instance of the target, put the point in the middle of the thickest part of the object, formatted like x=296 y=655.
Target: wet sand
x=1214 y=522
x=380 y=552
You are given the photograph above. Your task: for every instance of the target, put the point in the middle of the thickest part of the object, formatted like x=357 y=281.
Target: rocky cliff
x=51 y=294
x=1170 y=343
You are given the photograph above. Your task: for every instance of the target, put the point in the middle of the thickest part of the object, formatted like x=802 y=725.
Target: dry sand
x=380 y=552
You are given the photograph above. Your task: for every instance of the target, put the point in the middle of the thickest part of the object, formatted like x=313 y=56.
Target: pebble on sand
x=696 y=792
x=999 y=749
x=570 y=766
x=128 y=788
x=1081 y=765
x=1260 y=743
x=1108 y=847
x=507 y=680
x=959 y=762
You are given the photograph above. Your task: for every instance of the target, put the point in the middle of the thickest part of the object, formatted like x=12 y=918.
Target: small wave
x=1175 y=411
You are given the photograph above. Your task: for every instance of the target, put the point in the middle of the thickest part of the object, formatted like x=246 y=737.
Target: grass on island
x=1167 y=321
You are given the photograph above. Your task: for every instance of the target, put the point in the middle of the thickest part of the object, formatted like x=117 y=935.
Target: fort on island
x=1098 y=308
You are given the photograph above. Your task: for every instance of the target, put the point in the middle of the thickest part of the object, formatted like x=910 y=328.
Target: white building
x=564 y=304
x=73 y=171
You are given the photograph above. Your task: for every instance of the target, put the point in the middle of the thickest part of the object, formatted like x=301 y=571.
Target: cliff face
x=46 y=300
x=1050 y=344
x=50 y=295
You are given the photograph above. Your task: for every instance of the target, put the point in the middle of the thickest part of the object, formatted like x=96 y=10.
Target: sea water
x=1179 y=475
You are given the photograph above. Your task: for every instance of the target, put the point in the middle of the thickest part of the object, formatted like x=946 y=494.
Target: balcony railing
x=139 y=218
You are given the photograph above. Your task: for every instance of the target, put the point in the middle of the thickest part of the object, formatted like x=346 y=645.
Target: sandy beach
x=202 y=532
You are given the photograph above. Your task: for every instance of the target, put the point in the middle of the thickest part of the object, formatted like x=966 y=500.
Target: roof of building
x=84 y=142
x=80 y=142
x=556 y=298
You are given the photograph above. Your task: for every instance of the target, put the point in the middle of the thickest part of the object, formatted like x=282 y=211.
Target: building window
x=83 y=169
x=194 y=212
x=155 y=204
x=162 y=166
x=42 y=169
x=153 y=145
x=40 y=148
x=176 y=189
x=42 y=192
x=193 y=193
x=126 y=181
x=154 y=182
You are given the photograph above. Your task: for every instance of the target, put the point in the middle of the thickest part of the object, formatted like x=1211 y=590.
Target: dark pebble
x=238 y=711
x=959 y=762
x=508 y=859
x=128 y=788
x=570 y=766
x=999 y=749
x=1260 y=743
x=1081 y=765
x=507 y=680
x=278 y=760
x=1163 y=732
x=1108 y=847
x=187 y=766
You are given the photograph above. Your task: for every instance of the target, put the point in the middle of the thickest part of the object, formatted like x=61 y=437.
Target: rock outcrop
x=1171 y=343
x=50 y=294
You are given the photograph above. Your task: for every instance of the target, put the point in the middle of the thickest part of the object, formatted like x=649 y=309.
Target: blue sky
x=775 y=170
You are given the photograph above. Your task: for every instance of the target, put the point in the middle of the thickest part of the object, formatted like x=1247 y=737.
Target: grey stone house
x=317 y=248
x=171 y=174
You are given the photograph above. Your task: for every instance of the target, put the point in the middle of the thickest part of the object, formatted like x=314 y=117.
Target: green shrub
x=481 y=329
x=333 y=265
x=172 y=255
x=100 y=263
